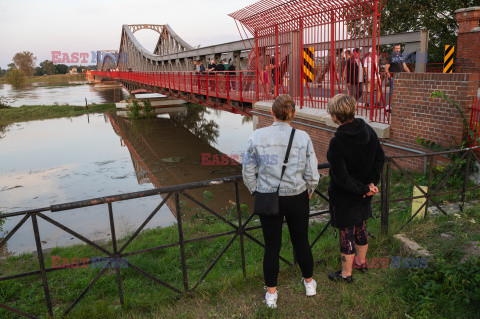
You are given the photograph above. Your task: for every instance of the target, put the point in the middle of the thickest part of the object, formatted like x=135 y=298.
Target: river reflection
x=61 y=160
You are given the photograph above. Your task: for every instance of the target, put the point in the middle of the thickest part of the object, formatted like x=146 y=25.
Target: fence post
x=385 y=197
x=430 y=173
x=41 y=261
x=240 y=230
x=115 y=252
x=465 y=179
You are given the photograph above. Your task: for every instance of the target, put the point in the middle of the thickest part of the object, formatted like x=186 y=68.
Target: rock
x=446 y=236
x=472 y=249
x=411 y=246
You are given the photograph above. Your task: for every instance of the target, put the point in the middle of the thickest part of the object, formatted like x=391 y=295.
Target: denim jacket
x=266 y=150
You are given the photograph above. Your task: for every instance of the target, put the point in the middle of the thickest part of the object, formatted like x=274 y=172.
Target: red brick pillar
x=468 y=44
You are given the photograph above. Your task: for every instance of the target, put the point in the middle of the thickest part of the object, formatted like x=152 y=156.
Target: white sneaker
x=271 y=300
x=311 y=287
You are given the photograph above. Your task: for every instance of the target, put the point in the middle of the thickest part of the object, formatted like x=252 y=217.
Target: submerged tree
x=15 y=77
x=25 y=61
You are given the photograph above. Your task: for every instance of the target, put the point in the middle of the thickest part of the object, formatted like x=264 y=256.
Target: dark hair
x=284 y=107
x=397 y=45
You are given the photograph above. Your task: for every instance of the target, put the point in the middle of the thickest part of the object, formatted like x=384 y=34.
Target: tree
x=38 y=71
x=61 y=68
x=11 y=66
x=436 y=16
x=47 y=67
x=15 y=77
x=25 y=61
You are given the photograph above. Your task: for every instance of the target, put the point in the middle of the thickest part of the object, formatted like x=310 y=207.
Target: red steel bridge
x=298 y=48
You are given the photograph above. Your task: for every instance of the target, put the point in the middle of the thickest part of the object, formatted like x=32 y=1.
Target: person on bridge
x=220 y=69
x=266 y=150
x=368 y=62
x=395 y=64
x=211 y=74
x=356 y=161
x=353 y=73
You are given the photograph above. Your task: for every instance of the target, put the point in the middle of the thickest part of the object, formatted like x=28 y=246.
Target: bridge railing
x=246 y=87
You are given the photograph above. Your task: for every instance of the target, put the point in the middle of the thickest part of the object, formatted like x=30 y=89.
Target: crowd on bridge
x=282 y=189
x=352 y=69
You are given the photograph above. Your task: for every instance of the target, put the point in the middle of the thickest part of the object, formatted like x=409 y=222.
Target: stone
x=411 y=246
x=472 y=249
x=446 y=236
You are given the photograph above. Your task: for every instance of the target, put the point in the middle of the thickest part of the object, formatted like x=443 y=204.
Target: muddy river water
x=69 y=159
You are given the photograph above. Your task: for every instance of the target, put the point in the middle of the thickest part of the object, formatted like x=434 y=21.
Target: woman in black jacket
x=356 y=160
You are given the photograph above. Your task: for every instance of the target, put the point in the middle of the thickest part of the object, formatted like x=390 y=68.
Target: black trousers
x=296 y=210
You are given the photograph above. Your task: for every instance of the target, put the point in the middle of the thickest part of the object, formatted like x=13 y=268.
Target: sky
x=43 y=26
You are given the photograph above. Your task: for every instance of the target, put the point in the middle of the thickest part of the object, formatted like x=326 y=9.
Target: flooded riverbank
x=68 y=159
x=37 y=94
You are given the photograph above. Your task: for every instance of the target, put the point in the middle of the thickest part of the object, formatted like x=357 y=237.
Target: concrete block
x=411 y=246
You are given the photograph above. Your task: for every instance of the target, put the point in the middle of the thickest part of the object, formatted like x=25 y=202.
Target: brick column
x=468 y=43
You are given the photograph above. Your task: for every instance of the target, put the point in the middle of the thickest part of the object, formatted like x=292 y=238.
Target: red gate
x=300 y=48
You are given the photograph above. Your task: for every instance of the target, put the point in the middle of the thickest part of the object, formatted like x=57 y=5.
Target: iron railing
x=444 y=169
x=116 y=255
x=228 y=90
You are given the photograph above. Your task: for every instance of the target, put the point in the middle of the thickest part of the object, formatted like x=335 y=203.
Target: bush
x=15 y=77
x=446 y=290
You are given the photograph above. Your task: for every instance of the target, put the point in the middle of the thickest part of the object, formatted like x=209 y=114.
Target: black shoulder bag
x=267 y=204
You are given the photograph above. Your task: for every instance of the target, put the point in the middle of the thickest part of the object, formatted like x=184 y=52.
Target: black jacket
x=356 y=159
x=353 y=71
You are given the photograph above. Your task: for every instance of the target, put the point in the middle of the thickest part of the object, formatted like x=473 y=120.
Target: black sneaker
x=362 y=268
x=334 y=276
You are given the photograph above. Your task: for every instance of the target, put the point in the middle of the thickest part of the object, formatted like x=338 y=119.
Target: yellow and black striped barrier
x=309 y=64
x=448 y=59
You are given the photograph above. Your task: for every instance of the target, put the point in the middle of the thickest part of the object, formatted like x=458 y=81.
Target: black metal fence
x=462 y=162
x=442 y=173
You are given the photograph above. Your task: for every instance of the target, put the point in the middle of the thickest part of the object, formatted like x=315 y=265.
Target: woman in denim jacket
x=261 y=173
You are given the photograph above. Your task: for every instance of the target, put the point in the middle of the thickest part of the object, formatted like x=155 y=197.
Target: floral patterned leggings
x=351 y=236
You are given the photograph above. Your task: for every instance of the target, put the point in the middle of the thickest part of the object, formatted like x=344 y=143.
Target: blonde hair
x=284 y=107
x=343 y=107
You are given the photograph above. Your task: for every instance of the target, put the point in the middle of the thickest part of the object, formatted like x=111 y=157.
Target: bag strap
x=285 y=161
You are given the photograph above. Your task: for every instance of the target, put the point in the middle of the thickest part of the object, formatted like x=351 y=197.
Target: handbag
x=267 y=204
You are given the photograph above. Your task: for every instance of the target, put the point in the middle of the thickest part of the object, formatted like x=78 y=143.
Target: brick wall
x=321 y=136
x=468 y=43
x=416 y=114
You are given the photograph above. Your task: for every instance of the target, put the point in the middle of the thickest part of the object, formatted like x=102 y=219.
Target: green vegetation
x=381 y=293
x=51 y=80
x=24 y=113
x=135 y=111
x=450 y=288
x=438 y=17
x=15 y=77
x=25 y=61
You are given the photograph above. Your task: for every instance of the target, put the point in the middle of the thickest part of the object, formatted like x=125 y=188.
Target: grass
x=381 y=293
x=53 y=79
x=9 y=115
